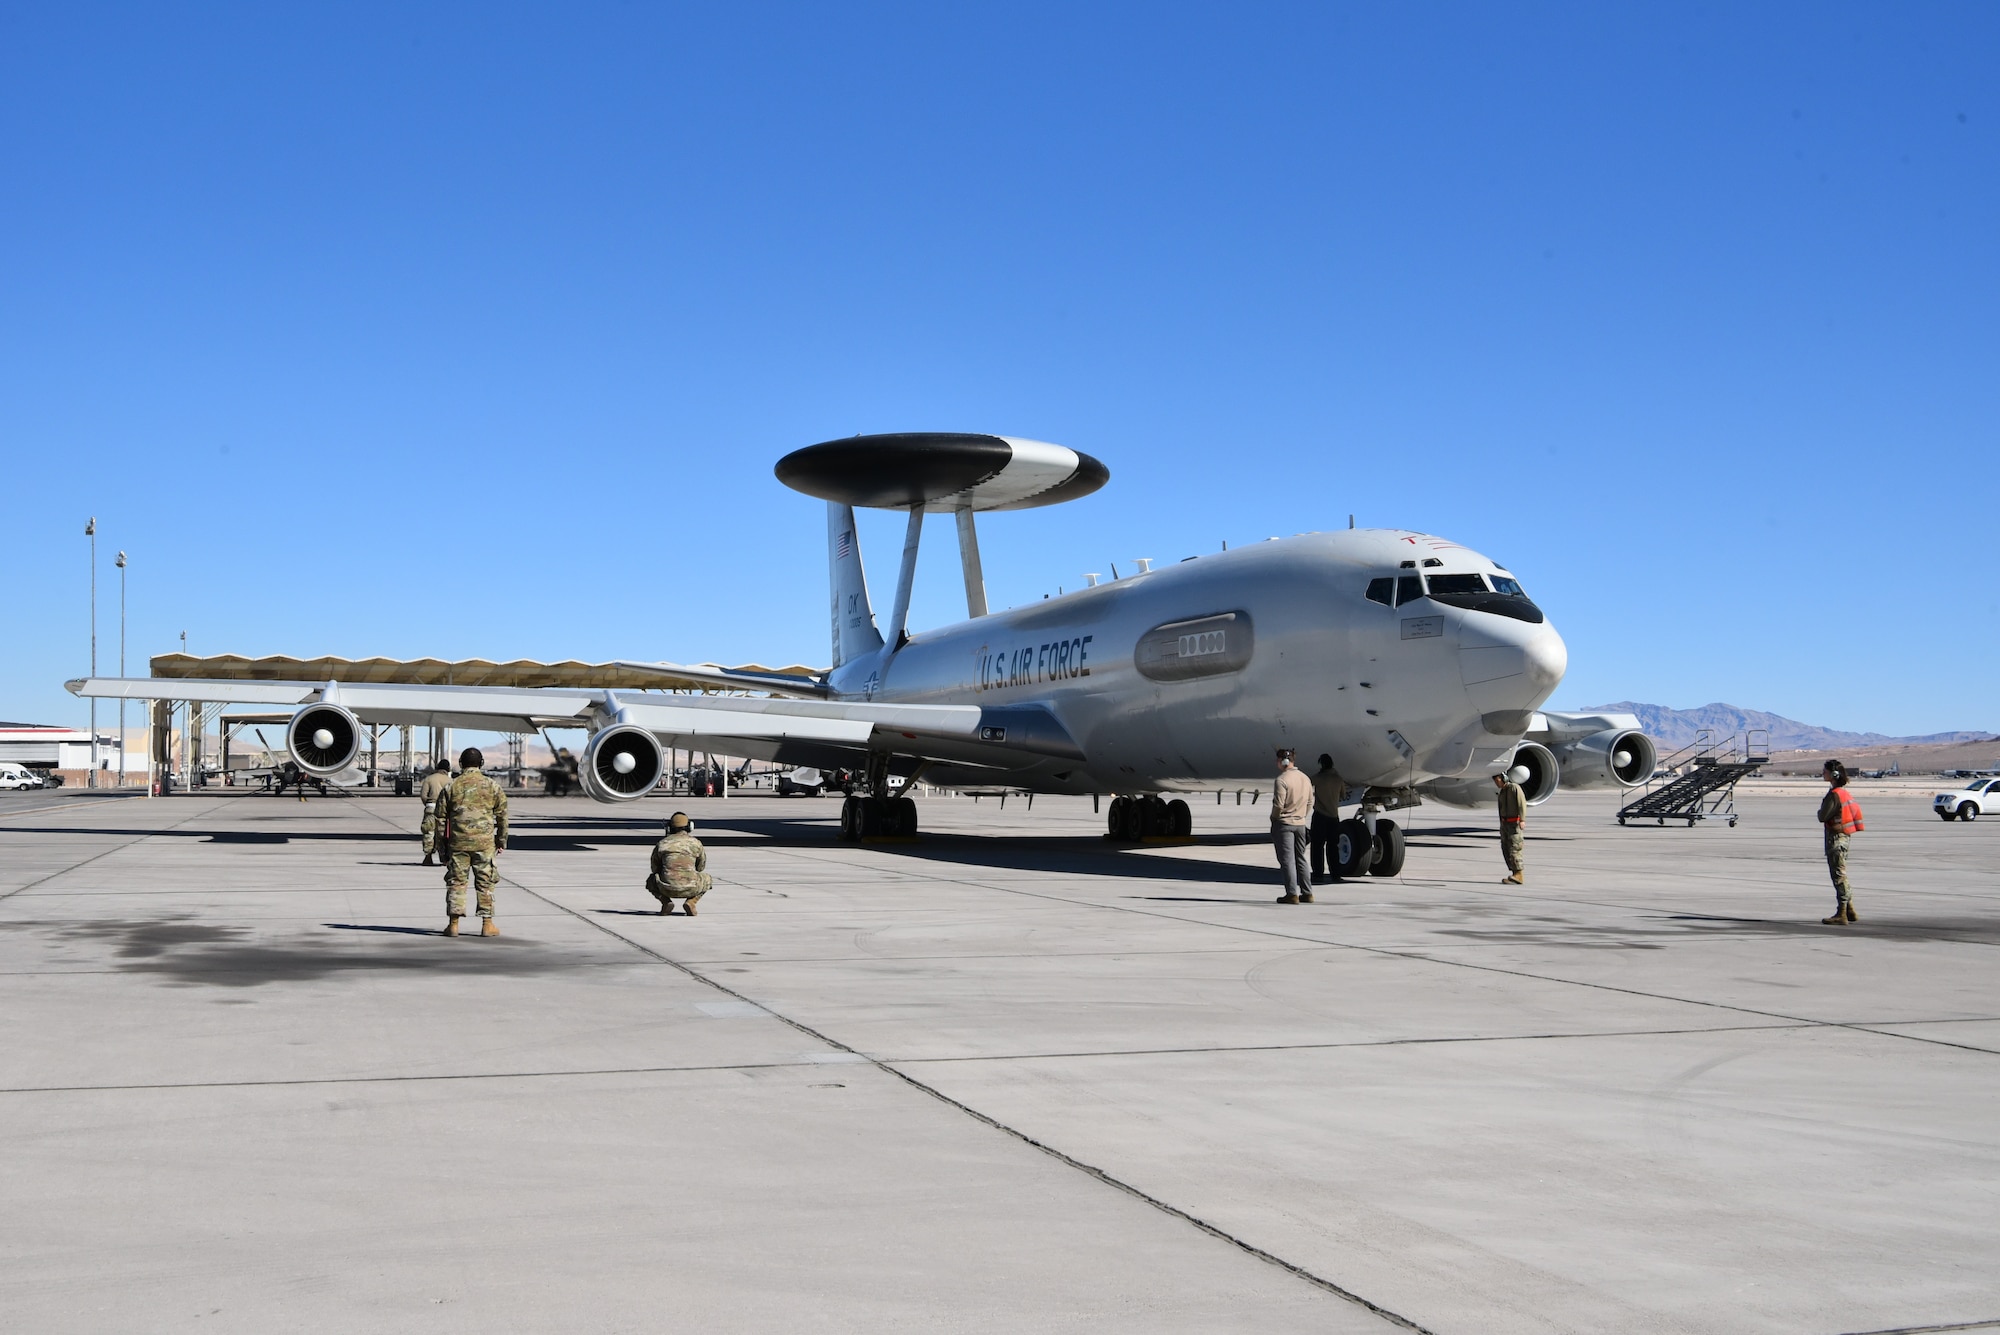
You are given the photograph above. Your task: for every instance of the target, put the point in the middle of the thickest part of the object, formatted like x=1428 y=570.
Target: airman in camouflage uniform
x=477 y=811
x=435 y=783
x=680 y=867
x=1513 y=813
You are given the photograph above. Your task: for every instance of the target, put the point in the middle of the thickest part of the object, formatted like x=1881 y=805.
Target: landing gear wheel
x=1353 y=850
x=1180 y=821
x=850 y=819
x=905 y=813
x=1133 y=827
x=1967 y=811
x=1153 y=818
x=1389 y=849
x=1114 y=823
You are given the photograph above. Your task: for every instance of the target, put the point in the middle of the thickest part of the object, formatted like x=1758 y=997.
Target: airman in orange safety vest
x=1840 y=815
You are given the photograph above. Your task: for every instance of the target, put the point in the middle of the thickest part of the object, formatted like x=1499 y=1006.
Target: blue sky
x=475 y=331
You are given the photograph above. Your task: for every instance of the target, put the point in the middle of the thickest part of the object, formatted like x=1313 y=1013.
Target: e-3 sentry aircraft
x=1417 y=664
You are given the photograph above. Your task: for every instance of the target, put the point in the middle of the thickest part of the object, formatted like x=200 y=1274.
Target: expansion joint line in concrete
x=135 y=839
x=1934 y=1330
x=1070 y=1161
x=1802 y=1021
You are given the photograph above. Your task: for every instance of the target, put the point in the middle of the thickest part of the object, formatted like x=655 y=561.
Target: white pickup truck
x=1968 y=802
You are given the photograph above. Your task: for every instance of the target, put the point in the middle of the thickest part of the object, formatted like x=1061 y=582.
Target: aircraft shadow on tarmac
x=192 y=953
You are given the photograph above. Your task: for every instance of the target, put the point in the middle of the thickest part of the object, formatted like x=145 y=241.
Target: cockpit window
x=1382 y=591
x=1508 y=585
x=1409 y=588
x=1457 y=584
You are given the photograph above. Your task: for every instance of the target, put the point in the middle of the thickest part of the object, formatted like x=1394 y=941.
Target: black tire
x=1153 y=818
x=1114 y=823
x=1389 y=850
x=1133 y=827
x=1944 y=815
x=1967 y=811
x=1180 y=821
x=850 y=820
x=868 y=817
x=906 y=816
x=1352 y=851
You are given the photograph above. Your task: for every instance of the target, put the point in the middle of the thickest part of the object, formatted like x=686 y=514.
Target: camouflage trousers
x=474 y=858
x=1836 y=865
x=667 y=894
x=430 y=831
x=1514 y=847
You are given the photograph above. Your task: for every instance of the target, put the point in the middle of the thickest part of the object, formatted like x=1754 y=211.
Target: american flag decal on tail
x=843 y=546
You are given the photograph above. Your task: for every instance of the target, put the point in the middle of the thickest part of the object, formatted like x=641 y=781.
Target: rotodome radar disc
x=942 y=471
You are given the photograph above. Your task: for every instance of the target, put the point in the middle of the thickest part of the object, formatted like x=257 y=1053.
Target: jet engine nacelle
x=621 y=763
x=1615 y=757
x=1545 y=774
x=323 y=739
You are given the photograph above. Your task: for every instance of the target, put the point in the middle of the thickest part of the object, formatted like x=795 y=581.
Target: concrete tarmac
x=1007 y=1078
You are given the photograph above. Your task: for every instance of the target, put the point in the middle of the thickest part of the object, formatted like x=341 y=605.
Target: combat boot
x=1305 y=896
x=451 y=927
x=1288 y=899
x=1849 y=908
x=689 y=906
x=1839 y=918
x=487 y=927
x=1513 y=878
x=666 y=908
x=430 y=860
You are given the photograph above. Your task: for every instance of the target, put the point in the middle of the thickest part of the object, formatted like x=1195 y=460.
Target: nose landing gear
x=1361 y=850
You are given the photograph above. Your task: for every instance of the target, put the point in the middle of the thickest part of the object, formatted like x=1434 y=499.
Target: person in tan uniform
x=1291 y=827
x=1513 y=813
x=434 y=785
x=1329 y=789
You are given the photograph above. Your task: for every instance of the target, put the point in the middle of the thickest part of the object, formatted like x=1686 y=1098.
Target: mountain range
x=1677 y=727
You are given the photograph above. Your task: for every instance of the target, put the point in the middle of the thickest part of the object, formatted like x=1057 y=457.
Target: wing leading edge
x=526 y=709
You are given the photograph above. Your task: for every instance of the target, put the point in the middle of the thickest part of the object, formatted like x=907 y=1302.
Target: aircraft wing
x=692 y=718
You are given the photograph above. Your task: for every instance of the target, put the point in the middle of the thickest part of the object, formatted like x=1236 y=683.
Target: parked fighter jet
x=1418 y=665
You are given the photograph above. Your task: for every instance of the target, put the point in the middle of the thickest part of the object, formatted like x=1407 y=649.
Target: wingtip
x=75 y=685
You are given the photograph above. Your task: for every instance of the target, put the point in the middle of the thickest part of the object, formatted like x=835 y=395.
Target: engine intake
x=1545 y=772
x=1617 y=757
x=621 y=763
x=323 y=739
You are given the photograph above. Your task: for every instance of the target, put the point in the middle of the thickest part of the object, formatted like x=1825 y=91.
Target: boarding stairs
x=1698 y=782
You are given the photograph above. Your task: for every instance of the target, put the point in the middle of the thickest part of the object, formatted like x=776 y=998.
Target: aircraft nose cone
x=1548 y=659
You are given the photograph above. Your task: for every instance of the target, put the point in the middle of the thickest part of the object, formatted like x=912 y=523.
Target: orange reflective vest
x=1850 y=813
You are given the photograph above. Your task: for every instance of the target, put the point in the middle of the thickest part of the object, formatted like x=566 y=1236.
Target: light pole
x=186 y=714
x=90 y=531
x=121 y=668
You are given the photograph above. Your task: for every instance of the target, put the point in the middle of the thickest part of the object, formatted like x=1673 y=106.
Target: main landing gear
x=878 y=815
x=878 y=818
x=1149 y=817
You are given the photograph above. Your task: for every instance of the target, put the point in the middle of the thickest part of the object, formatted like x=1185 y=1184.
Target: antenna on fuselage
x=939 y=472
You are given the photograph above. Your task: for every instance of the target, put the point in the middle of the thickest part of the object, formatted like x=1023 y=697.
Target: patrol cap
x=470 y=758
x=679 y=821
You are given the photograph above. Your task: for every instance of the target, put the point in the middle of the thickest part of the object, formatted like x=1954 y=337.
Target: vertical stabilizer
x=854 y=632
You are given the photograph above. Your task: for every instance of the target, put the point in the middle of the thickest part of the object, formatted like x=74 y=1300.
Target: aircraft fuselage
x=1186 y=677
